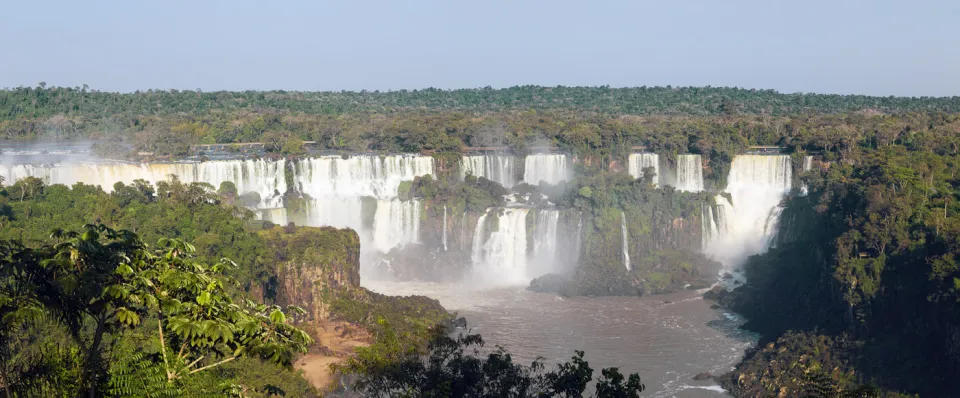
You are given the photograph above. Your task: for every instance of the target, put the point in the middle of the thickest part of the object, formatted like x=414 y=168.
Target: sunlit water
x=667 y=339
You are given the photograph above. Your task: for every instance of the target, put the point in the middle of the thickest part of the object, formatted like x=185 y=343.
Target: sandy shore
x=336 y=341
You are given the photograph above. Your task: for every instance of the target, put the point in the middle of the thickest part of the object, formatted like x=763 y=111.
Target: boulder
x=703 y=376
x=716 y=293
x=550 y=283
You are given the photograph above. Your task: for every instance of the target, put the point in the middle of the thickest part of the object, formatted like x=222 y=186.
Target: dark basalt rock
x=551 y=283
x=717 y=293
x=703 y=376
x=459 y=323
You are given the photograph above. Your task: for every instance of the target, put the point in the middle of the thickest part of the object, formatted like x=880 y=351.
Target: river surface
x=667 y=339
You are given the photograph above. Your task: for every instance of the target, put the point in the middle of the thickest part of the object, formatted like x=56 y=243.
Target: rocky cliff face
x=312 y=263
x=662 y=247
x=318 y=269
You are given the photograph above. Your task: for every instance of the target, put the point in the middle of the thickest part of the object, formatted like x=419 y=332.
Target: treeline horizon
x=643 y=100
x=473 y=88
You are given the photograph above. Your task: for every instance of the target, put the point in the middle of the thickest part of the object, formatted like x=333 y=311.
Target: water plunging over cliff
x=551 y=168
x=336 y=188
x=639 y=161
x=499 y=168
x=261 y=176
x=626 y=240
x=689 y=173
x=444 y=239
x=545 y=243
x=746 y=226
x=807 y=166
x=396 y=223
x=359 y=175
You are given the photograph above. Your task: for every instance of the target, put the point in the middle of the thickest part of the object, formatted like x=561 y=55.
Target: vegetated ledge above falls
x=318 y=269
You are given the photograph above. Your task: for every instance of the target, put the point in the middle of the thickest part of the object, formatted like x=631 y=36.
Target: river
x=667 y=339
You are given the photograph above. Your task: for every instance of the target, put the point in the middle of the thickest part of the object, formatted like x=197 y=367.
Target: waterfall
x=334 y=212
x=498 y=168
x=261 y=176
x=444 y=239
x=639 y=161
x=708 y=226
x=807 y=166
x=689 y=173
x=396 y=223
x=356 y=176
x=626 y=243
x=503 y=257
x=336 y=187
x=551 y=168
x=545 y=242
x=746 y=226
x=476 y=252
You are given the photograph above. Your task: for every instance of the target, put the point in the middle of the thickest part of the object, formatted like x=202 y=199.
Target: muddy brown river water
x=667 y=339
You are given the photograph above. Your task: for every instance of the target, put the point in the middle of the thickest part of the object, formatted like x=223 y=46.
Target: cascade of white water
x=545 y=242
x=359 y=175
x=551 y=168
x=708 y=226
x=336 y=187
x=807 y=166
x=476 y=251
x=335 y=212
x=444 y=239
x=639 y=161
x=396 y=223
x=334 y=184
x=689 y=173
x=261 y=176
x=626 y=243
x=498 y=168
x=503 y=257
x=746 y=226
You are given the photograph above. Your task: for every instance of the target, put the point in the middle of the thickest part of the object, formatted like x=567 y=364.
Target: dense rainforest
x=863 y=280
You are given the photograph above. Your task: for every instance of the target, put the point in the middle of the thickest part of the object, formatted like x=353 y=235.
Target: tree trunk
x=93 y=359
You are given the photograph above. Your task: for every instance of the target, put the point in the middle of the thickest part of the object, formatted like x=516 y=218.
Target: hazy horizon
x=470 y=88
x=860 y=47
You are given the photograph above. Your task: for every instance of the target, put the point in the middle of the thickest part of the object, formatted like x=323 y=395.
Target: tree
x=387 y=370
x=99 y=283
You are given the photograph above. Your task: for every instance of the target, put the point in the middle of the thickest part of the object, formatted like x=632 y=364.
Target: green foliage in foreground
x=102 y=287
x=455 y=367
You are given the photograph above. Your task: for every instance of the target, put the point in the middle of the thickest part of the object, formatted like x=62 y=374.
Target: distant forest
x=696 y=101
x=599 y=123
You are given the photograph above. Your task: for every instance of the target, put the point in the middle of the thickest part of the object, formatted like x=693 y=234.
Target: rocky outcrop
x=799 y=365
x=553 y=283
x=318 y=269
x=311 y=263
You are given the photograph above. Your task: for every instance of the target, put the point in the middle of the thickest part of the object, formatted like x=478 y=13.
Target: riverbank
x=335 y=342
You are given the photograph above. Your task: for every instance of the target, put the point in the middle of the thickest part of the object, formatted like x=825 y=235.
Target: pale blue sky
x=876 y=47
